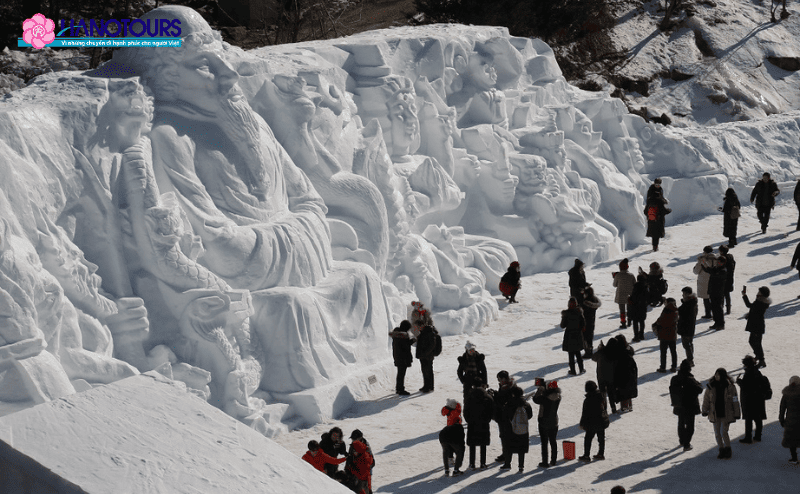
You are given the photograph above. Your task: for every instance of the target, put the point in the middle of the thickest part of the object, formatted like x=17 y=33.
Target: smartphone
x=744 y=289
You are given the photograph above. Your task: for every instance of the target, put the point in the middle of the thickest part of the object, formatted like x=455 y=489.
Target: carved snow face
x=291 y=90
x=67 y=263
x=533 y=176
x=481 y=71
x=128 y=112
x=205 y=77
x=498 y=186
x=405 y=123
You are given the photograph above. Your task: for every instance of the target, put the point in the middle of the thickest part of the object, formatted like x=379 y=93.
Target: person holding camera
x=755 y=321
x=548 y=397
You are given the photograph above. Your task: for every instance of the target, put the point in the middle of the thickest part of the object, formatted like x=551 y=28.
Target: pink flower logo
x=38 y=31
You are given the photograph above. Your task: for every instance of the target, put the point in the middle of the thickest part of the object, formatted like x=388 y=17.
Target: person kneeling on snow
x=318 y=458
x=452 y=437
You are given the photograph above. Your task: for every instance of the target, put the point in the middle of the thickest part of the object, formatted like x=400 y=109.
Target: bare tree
x=672 y=7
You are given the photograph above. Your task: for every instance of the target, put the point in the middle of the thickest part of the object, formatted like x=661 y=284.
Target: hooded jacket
x=453 y=414
x=733 y=411
x=594 y=416
x=573 y=323
x=789 y=416
x=548 y=401
x=623 y=282
x=470 y=367
x=705 y=260
x=684 y=390
x=478 y=412
x=401 y=347
x=687 y=316
x=667 y=324
x=755 y=318
x=751 y=385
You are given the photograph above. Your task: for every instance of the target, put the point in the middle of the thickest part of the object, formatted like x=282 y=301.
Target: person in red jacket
x=360 y=467
x=318 y=458
x=452 y=410
x=666 y=328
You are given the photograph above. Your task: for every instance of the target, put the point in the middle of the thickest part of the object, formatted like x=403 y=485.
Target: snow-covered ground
x=642 y=451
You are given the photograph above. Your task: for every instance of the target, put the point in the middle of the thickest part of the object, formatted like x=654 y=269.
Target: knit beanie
x=451 y=403
x=469 y=345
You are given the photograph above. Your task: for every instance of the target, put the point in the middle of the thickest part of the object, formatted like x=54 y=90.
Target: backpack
x=519 y=423
x=652 y=213
x=766 y=389
x=437 y=344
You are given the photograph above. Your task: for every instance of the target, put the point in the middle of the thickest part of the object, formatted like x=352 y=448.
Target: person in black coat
x=656 y=212
x=637 y=307
x=501 y=396
x=478 y=413
x=684 y=391
x=510 y=283
x=755 y=321
x=763 y=195
x=626 y=375
x=548 y=397
x=796 y=260
x=402 y=340
x=577 y=279
x=594 y=420
x=717 y=275
x=332 y=443
x=754 y=387
x=797 y=201
x=731 y=210
x=687 y=319
x=573 y=323
x=471 y=365
x=426 y=348
x=589 y=305
x=730 y=267
x=515 y=442
x=451 y=437
x=655 y=191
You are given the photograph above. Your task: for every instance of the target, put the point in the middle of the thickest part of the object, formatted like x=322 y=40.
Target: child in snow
x=594 y=420
x=623 y=282
x=318 y=458
x=510 y=283
x=452 y=437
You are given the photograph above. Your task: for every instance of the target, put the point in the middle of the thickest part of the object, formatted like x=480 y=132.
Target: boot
x=728 y=452
x=727 y=309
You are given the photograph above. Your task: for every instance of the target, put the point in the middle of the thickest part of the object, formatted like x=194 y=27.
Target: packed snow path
x=642 y=451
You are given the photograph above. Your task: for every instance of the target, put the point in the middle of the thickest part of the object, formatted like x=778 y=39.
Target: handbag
x=735 y=213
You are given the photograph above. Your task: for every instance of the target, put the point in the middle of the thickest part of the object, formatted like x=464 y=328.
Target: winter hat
x=657 y=181
x=795 y=380
x=708 y=249
x=359 y=447
x=356 y=434
x=469 y=346
x=553 y=384
x=578 y=262
x=764 y=291
x=623 y=264
x=452 y=403
x=749 y=361
x=514 y=264
x=590 y=386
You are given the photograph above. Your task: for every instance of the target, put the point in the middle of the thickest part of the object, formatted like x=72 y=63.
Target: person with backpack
x=577 y=279
x=706 y=260
x=754 y=390
x=501 y=396
x=721 y=406
x=548 y=397
x=637 y=307
x=763 y=195
x=594 y=420
x=684 y=390
x=452 y=437
x=755 y=321
x=573 y=323
x=318 y=458
x=429 y=345
x=517 y=412
x=730 y=267
x=471 y=365
x=510 y=283
x=333 y=445
x=590 y=305
x=605 y=359
x=402 y=340
x=478 y=413
x=687 y=320
x=731 y=211
x=623 y=282
x=656 y=212
x=789 y=417
x=717 y=276
x=666 y=328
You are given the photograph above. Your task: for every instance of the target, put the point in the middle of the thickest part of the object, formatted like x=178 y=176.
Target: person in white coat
x=623 y=282
x=709 y=260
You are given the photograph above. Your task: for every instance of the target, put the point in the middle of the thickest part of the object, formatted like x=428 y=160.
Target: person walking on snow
x=687 y=319
x=797 y=202
x=573 y=323
x=755 y=390
x=517 y=412
x=577 y=279
x=764 y=194
x=730 y=267
x=684 y=390
x=731 y=211
x=510 y=283
x=590 y=305
x=623 y=282
x=666 y=328
x=478 y=412
x=452 y=437
x=548 y=397
x=796 y=260
x=656 y=211
x=706 y=260
x=471 y=365
x=402 y=340
x=755 y=321
x=637 y=307
x=721 y=406
x=626 y=375
x=605 y=357
x=789 y=417
x=594 y=420
x=717 y=276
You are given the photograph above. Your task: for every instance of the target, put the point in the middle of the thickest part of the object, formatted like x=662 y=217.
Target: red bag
x=652 y=213
x=506 y=288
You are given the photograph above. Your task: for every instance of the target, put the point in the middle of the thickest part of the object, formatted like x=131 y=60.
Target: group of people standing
x=323 y=456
